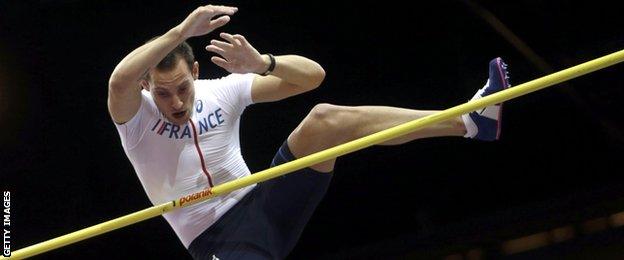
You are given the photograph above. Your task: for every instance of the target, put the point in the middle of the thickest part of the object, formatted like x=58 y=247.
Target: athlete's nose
x=177 y=103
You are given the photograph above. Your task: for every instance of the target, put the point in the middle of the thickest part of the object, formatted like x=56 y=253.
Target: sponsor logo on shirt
x=195 y=196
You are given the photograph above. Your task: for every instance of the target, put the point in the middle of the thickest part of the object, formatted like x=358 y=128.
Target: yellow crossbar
x=324 y=155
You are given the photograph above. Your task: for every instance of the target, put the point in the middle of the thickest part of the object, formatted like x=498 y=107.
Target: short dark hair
x=182 y=51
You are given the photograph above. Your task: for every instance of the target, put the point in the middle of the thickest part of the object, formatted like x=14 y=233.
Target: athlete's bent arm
x=124 y=91
x=291 y=75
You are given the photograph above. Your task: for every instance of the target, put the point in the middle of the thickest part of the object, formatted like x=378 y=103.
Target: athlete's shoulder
x=227 y=79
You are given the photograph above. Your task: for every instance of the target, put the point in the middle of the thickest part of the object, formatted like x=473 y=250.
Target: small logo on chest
x=199 y=106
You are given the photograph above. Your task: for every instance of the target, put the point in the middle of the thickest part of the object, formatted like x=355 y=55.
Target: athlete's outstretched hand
x=237 y=55
x=201 y=22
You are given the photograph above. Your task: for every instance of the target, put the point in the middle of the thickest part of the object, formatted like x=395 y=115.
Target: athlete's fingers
x=230 y=38
x=221 y=9
x=221 y=21
x=215 y=49
x=221 y=44
x=241 y=39
x=220 y=62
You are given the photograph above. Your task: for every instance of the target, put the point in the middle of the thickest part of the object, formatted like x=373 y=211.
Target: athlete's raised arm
x=124 y=86
x=279 y=76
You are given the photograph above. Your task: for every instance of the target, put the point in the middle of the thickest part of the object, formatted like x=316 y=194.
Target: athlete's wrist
x=269 y=64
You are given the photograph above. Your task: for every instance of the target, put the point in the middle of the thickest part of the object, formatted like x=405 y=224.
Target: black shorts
x=269 y=220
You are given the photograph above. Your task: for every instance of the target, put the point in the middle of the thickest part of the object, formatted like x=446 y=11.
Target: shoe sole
x=502 y=72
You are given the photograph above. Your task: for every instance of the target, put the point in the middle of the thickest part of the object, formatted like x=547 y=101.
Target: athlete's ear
x=144 y=84
x=195 y=70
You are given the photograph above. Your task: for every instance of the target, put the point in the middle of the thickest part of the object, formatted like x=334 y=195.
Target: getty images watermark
x=6 y=224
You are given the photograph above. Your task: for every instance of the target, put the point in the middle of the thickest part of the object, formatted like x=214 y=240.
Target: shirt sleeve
x=235 y=90
x=132 y=131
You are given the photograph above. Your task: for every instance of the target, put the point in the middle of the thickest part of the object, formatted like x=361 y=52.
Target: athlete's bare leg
x=330 y=125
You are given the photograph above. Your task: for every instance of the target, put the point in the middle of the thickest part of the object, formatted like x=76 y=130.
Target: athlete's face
x=174 y=91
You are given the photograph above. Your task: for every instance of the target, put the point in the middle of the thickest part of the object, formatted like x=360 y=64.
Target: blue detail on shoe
x=489 y=129
x=498 y=77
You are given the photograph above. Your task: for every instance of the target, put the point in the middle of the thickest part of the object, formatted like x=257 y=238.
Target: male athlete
x=181 y=134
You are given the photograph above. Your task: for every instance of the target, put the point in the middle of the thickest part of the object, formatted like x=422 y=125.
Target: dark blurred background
x=551 y=188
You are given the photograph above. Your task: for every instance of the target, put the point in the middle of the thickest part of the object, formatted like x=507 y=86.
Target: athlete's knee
x=324 y=114
x=326 y=119
x=330 y=117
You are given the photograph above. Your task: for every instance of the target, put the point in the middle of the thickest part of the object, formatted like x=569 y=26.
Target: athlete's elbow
x=118 y=81
x=317 y=75
x=115 y=80
x=114 y=83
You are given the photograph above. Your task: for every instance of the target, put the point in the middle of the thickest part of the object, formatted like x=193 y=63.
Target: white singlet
x=173 y=161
